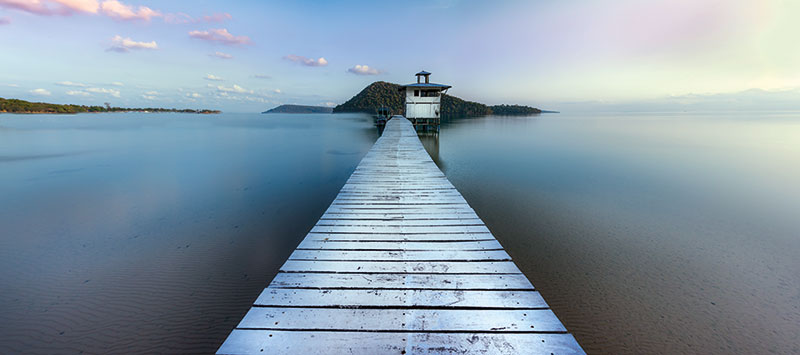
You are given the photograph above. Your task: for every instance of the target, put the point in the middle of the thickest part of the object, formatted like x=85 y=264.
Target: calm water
x=136 y=233
x=154 y=233
x=646 y=233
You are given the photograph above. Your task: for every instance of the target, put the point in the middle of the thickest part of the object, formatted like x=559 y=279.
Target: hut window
x=416 y=92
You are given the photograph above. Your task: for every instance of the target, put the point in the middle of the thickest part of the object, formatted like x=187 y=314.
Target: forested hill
x=383 y=94
x=299 y=109
x=22 y=106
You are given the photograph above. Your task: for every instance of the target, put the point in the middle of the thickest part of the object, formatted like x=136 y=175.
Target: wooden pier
x=399 y=264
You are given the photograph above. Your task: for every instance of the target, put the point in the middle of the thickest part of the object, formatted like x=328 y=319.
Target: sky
x=246 y=56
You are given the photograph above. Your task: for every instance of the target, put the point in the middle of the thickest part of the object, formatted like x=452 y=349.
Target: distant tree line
x=22 y=106
x=512 y=110
x=382 y=94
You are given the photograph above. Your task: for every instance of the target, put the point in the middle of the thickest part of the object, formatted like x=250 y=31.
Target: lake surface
x=646 y=233
x=146 y=233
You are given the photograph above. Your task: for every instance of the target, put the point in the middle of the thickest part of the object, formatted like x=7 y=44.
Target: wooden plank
x=401 y=203
x=398 y=246
x=397 y=216
x=400 y=229
x=298 y=342
x=405 y=255
x=481 y=320
x=397 y=195
x=400 y=222
x=399 y=237
x=400 y=267
x=400 y=298
x=403 y=281
x=399 y=199
x=401 y=209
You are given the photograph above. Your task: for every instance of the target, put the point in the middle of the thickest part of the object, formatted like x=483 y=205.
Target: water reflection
x=645 y=233
x=430 y=140
x=135 y=233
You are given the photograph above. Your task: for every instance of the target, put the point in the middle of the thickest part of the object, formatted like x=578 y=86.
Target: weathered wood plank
x=400 y=199
x=399 y=222
x=397 y=216
x=400 y=298
x=400 y=209
x=405 y=255
x=297 y=342
x=400 y=229
x=482 y=320
x=403 y=281
x=400 y=237
x=398 y=246
x=401 y=267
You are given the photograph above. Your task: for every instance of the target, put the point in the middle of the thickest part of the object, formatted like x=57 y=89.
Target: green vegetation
x=22 y=106
x=376 y=95
x=455 y=107
x=512 y=110
x=300 y=109
x=383 y=94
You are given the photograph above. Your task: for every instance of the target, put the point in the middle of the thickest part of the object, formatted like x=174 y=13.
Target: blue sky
x=245 y=56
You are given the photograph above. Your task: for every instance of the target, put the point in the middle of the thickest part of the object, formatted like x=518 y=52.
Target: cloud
x=183 y=18
x=178 y=18
x=234 y=89
x=329 y=104
x=41 y=92
x=277 y=91
x=112 y=8
x=363 y=70
x=150 y=95
x=51 y=7
x=309 y=62
x=220 y=35
x=69 y=83
x=122 y=45
x=117 y=83
x=112 y=92
x=5 y=20
x=262 y=76
x=194 y=95
x=78 y=93
x=219 y=17
x=213 y=77
x=120 y=11
x=221 y=55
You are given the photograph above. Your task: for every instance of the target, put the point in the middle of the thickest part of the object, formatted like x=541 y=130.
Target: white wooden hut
x=423 y=100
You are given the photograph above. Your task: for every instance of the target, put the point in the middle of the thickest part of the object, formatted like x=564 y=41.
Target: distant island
x=300 y=109
x=22 y=106
x=383 y=94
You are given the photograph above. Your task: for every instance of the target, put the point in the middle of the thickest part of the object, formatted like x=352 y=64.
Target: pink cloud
x=220 y=35
x=183 y=18
x=5 y=21
x=120 y=11
x=112 y=8
x=218 y=17
x=309 y=62
x=178 y=18
x=51 y=7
